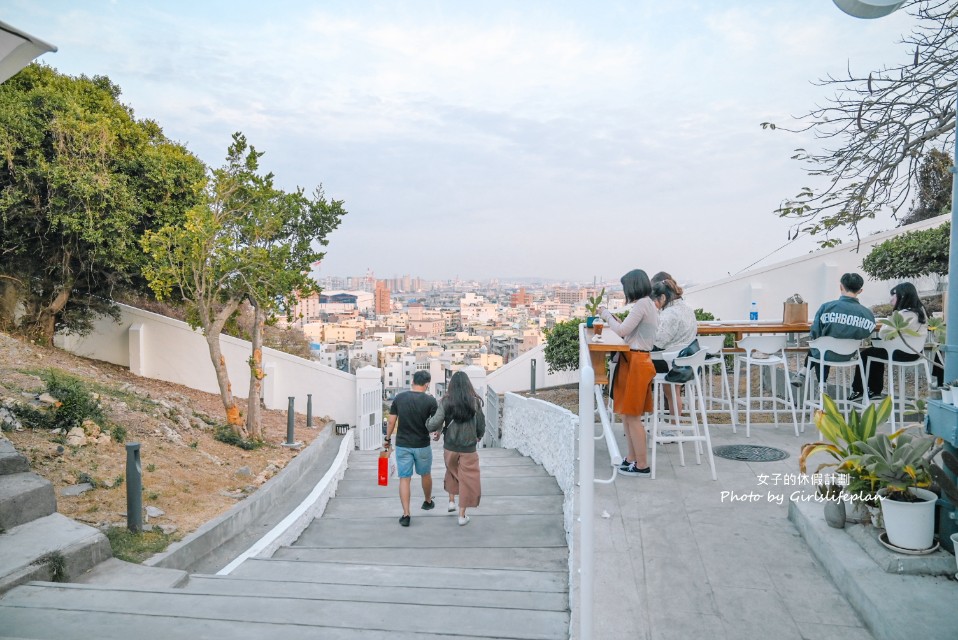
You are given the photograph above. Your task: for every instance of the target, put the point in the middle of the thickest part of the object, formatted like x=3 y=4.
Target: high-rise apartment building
x=382 y=298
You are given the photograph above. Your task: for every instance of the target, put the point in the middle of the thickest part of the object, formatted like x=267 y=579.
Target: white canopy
x=18 y=49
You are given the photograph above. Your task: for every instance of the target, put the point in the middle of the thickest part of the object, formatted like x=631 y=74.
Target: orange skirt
x=632 y=388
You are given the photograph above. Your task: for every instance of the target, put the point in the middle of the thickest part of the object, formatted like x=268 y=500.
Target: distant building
x=520 y=298
x=382 y=298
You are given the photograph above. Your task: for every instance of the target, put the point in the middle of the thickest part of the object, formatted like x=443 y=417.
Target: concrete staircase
x=36 y=542
x=354 y=573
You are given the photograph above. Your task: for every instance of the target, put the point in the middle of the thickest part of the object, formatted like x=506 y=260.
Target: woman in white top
x=677 y=329
x=634 y=371
x=905 y=300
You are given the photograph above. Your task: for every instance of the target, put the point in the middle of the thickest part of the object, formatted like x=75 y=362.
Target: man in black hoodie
x=842 y=318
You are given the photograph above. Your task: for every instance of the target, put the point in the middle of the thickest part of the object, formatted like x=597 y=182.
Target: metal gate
x=493 y=435
x=369 y=419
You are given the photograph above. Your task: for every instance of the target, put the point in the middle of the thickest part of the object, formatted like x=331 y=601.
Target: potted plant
x=903 y=471
x=592 y=307
x=840 y=441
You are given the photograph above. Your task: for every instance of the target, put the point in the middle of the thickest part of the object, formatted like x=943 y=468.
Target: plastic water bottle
x=753 y=312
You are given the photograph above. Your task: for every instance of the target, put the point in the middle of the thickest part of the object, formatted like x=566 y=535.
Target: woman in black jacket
x=462 y=423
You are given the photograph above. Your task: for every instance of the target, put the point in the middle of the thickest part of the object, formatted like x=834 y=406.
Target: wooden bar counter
x=611 y=342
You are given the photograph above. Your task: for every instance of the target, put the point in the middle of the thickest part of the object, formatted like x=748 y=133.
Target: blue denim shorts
x=407 y=457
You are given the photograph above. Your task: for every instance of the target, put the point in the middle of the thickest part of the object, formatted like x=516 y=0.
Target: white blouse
x=677 y=326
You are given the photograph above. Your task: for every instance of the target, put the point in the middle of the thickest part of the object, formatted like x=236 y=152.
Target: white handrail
x=586 y=487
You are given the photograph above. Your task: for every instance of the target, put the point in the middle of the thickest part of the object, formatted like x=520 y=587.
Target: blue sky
x=497 y=139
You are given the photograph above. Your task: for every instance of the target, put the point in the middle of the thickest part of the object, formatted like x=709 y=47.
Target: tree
x=911 y=255
x=279 y=244
x=934 y=188
x=248 y=241
x=80 y=181
x=562 y=346
x=877 y=127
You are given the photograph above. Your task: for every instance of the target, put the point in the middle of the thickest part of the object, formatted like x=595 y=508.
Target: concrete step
x=363 y=485
x=265 y=609
x=118 y=573
x=491 y=505
x=531 y=559
x=11 y=461
x=24 y=497
x=26 y=547
x=81 y=625
x=432 y=532
x=399 y=576
x=433 y=595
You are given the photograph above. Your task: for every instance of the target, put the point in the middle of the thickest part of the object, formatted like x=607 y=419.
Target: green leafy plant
x=56 y=564
x=592 y=306
x=895 y=466
x=912 y=254
x=841 y=441
x=562 y=346
x=224 y=433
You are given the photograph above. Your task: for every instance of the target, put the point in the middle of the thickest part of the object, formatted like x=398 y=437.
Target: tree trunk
x=213 y=329
x=254 y=425
x=9 y=301
x=46 y=319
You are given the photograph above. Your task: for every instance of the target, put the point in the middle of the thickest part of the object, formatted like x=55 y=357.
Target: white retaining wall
x=516 y=376
x=814 y=276
x=154 y=346
x=547 y=434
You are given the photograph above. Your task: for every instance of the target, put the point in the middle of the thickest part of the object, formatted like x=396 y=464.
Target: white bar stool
x=693 y=431
x=840 y=347
x=898 y=396
x=713 y=345
x=763 y=351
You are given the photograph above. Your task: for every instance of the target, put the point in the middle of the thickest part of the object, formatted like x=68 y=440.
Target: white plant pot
x=954 y=545
x=910 y=525
x=954 y=396
x=946 y=395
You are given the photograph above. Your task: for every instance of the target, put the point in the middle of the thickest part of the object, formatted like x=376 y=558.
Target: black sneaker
x=634 y=471
x=426 y=506
x=404 y=521
x=875 y=395
x=855 y=396
x=624 y=464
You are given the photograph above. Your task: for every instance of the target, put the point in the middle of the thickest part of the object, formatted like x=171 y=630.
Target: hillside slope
x=187 y=475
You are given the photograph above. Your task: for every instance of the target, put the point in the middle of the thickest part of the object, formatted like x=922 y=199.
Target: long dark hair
x=906 y=299
x=461 y=401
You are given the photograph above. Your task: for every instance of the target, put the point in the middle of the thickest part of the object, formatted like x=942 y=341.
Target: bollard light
x=309 y=411
x=134 y=488
x=290 y=422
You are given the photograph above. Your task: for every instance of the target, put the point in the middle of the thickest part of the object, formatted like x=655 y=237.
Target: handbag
x=682 y=374
x=386 y=468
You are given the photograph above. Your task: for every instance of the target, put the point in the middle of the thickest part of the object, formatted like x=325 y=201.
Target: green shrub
x=77 y=402
x=225 y=433
x=562 y=346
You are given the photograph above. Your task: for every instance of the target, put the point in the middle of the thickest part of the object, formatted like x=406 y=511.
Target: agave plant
x=843 y=436
x=895 y=466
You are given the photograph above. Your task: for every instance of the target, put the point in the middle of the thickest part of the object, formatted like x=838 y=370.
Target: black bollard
x=532 y=383
x=134 y=488
x=290 y=423
x=309 y=411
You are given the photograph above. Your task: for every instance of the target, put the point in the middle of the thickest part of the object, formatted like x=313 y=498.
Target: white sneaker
x=463 y=521
x=452 y=507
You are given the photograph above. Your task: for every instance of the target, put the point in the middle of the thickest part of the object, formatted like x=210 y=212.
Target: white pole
x=586 y=486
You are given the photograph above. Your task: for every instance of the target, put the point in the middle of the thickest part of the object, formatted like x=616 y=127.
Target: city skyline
x=536 y=140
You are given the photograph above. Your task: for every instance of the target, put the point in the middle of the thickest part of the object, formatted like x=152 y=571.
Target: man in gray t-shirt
x=411 y=409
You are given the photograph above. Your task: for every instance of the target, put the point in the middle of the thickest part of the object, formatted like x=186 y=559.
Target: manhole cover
x=749 y=453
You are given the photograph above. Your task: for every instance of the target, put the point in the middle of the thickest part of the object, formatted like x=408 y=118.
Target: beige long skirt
x=462 y=477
